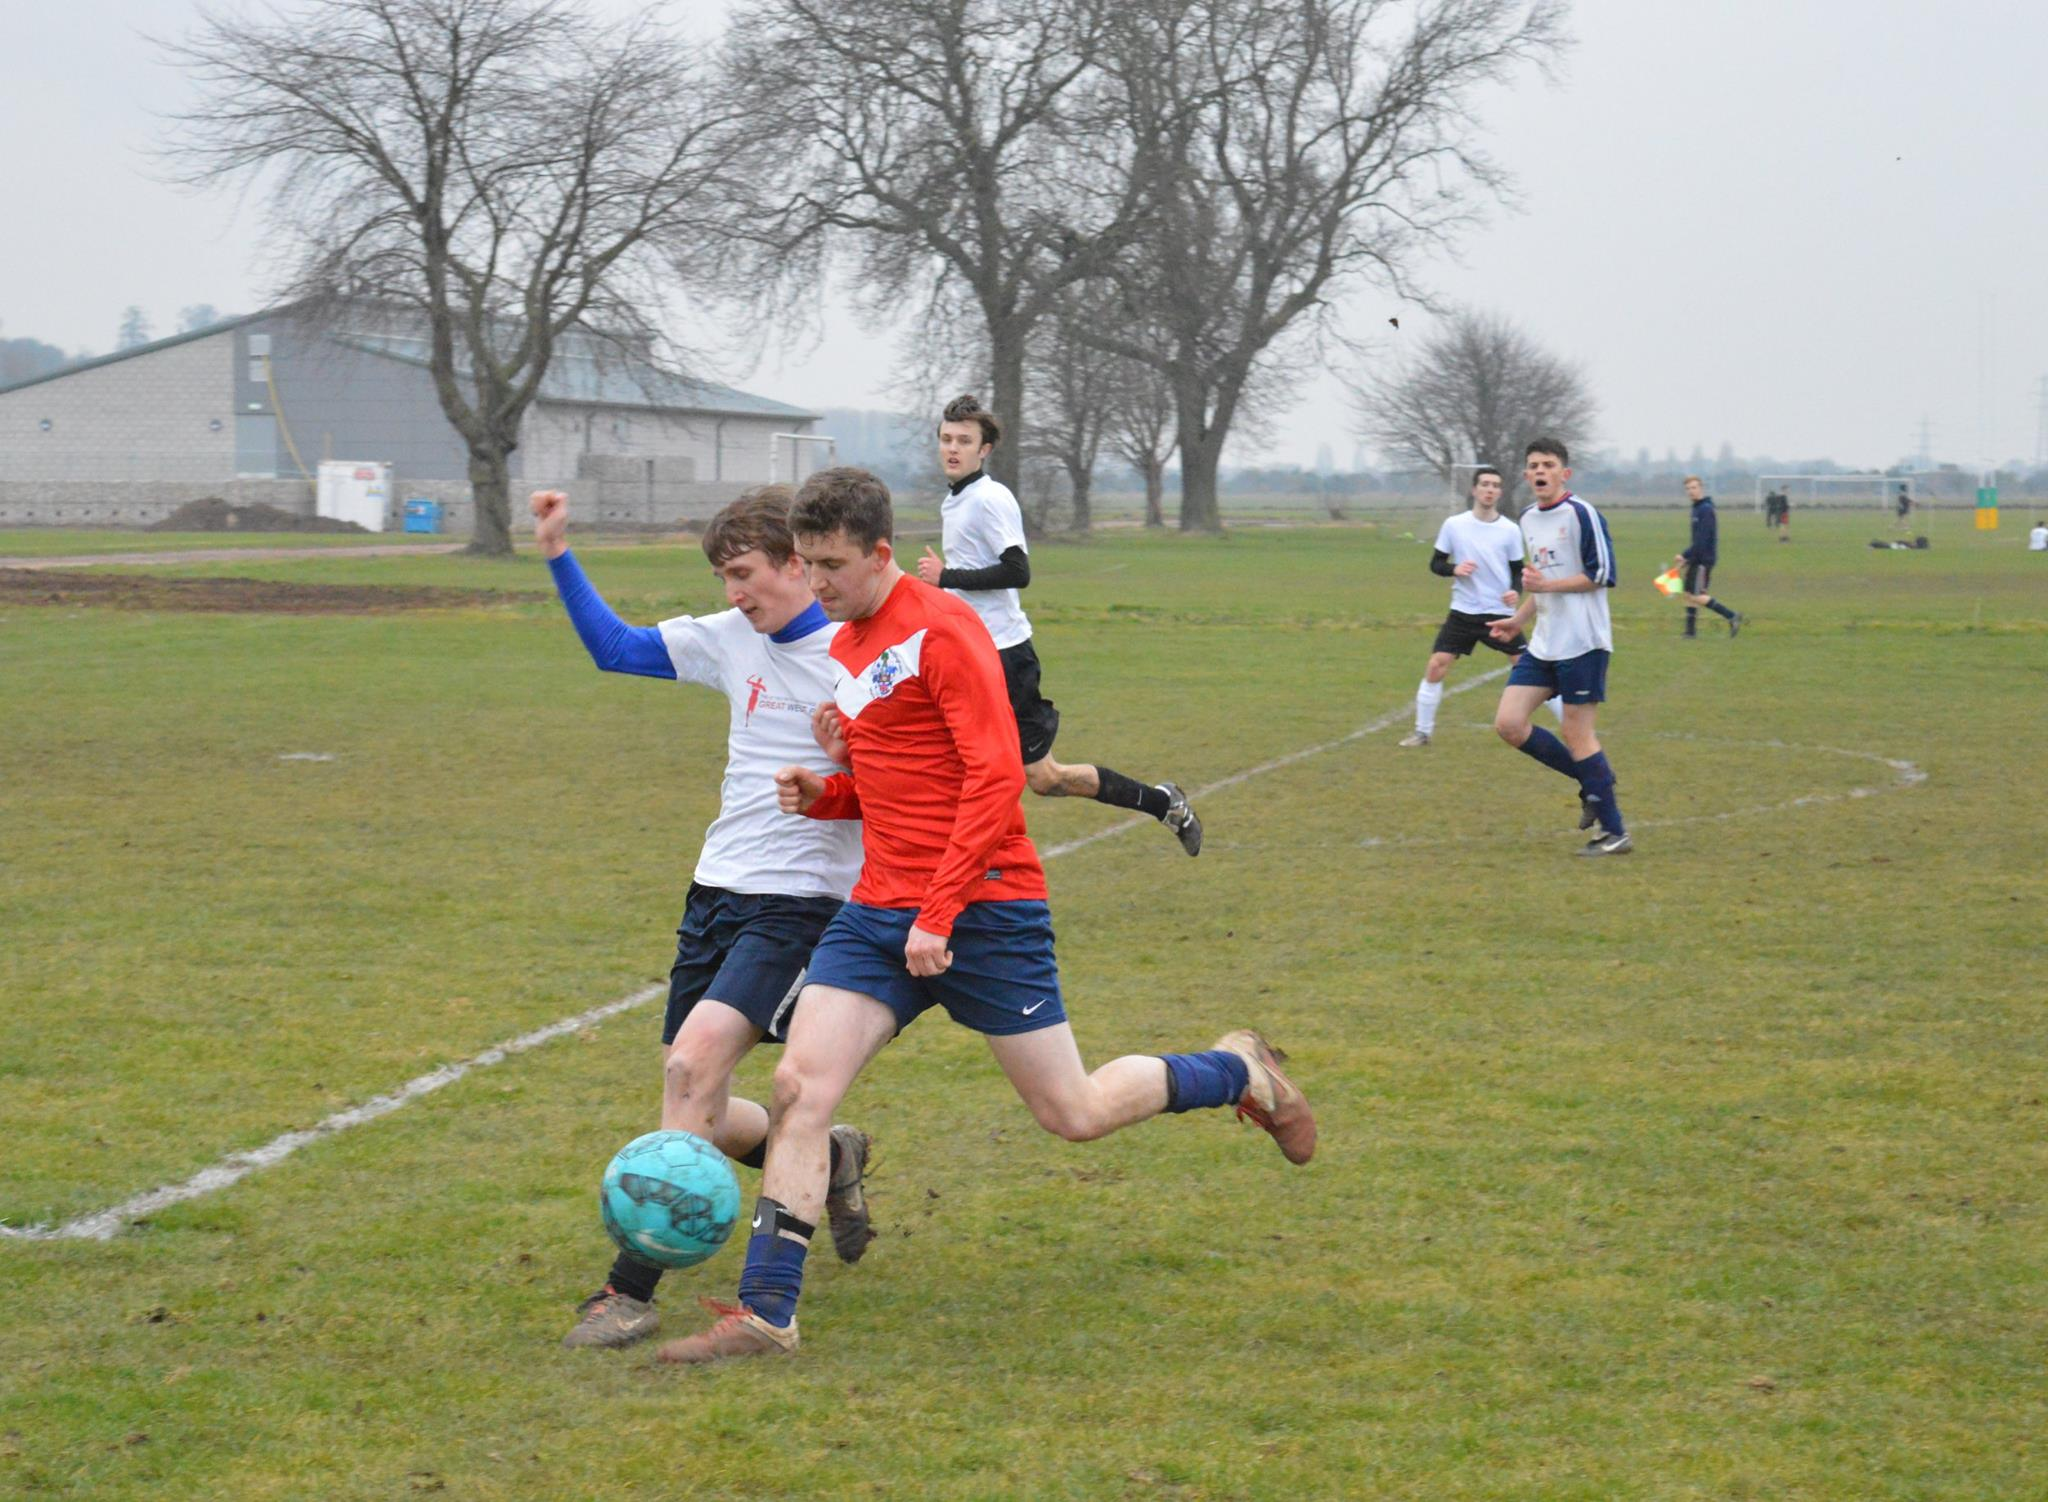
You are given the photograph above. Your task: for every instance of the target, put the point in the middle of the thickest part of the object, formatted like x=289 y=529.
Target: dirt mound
x=212 y=514
x=21 y=586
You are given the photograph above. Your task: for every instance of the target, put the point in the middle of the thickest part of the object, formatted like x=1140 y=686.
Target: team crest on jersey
x=890 y=670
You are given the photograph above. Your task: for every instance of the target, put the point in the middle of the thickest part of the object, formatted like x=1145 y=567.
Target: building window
x=44 y=425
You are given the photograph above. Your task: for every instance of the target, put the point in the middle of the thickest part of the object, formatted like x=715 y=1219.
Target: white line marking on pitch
x=104 y=1225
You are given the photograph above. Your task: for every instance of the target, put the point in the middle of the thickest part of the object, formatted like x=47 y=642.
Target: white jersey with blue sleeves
x=1565 y=538
x=772 y=687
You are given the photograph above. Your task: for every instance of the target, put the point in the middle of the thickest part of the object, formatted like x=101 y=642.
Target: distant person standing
x=1699 y=558
x=2037 y=540
x=1778 y=513
x=1904 y=507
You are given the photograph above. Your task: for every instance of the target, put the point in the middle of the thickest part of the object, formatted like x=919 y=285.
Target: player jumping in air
x=986 y=563
x=1569 y=569
x=1699 y=558
x=1480 y=552
x=950 y=909
x=766 y=885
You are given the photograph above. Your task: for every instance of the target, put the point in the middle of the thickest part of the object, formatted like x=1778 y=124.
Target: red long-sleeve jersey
x=936 y=770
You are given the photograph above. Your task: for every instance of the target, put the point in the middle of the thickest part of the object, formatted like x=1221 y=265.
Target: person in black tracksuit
x=1698 y=560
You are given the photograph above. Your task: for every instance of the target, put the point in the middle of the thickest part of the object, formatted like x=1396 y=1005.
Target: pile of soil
x=22 y=586
x=212 y=514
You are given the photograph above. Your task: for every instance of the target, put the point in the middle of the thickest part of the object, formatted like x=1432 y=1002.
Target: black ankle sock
x=1721 y=610
x=1120 y=791
x=755 y=1156
x=634 y=1278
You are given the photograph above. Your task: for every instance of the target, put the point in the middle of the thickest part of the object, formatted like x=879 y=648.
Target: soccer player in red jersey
x=949 y=909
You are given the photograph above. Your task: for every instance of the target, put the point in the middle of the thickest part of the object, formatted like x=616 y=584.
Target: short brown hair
x=1551 y=446
x=1694 y=480
x=758 y=519
x=967 y=408
x=845 y=500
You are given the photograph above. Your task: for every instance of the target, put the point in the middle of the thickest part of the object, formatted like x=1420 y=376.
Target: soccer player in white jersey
x=766 y=885
x=1480 y=552
x=1568 y=569
x=986 y=563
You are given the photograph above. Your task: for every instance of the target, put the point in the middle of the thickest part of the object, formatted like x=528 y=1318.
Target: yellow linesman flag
x=1669 y=582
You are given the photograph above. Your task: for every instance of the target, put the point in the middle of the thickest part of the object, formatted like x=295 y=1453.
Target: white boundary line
x=104 y=1225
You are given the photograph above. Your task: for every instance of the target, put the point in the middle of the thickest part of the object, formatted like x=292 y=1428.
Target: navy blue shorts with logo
x=1003 y=978
x=746 y=950
x=1581 y=679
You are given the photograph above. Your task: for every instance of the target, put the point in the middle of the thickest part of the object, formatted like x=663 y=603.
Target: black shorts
x=1461 y=630
x=745 y=950
x=1696 y=577
x=1037 y=721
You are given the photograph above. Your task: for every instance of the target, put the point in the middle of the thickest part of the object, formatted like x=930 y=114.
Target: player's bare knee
x=1511 y=728
x=795 y=1091
x=686 y=1073
x=1072 y=1121
x=1046 y=778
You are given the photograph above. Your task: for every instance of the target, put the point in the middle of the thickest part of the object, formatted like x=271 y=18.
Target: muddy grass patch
x=19 y=586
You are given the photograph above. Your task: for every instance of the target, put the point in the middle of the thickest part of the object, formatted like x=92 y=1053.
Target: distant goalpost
x=796 y=442
x=1881 y=491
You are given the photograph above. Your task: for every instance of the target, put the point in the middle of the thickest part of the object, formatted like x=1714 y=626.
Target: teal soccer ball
x=669 y=1198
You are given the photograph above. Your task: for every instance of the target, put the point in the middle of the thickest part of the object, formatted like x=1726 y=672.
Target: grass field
x=1716 y=1172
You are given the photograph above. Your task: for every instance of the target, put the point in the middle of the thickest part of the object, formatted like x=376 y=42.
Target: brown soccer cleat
x=738 y=1332
x=846 y=1202
x=610 y=1319
x=1271 y=1099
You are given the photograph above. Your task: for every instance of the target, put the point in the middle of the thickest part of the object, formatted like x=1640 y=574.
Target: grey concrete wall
x=340 y=403
x=162 y=416
x=135 y=503
x=732 y=448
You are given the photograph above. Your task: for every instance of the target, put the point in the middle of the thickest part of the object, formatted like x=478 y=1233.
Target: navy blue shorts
x=1003 y=978
x=1582 y=679
x=747 y=951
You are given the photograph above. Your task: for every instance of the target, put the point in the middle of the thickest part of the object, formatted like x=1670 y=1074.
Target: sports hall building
x=247 y=409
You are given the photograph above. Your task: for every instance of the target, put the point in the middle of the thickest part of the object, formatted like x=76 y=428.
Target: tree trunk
x=490 y=488
x=1199 y=511
x=1080 y=481
x=1006 y=400
x=1155 y=493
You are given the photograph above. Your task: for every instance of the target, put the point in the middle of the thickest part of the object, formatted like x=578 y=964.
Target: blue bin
x=422 y=516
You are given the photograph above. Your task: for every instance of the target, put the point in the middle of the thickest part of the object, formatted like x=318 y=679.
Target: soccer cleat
x=611 y=1319
x=738 y=1331
x=1608 y=844
x=1271 y=1100
x=1735 y=624
x=1414 y=738
x=1182 y=820
x=1589 y=810
x=846 y=1205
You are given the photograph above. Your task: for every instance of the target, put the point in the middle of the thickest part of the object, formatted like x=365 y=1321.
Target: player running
x=765 y=885
x=1480 y=552
x=1698 y=560
x=986 y=564
x=1778 y=513
x=950 y=909
x=1569 y=569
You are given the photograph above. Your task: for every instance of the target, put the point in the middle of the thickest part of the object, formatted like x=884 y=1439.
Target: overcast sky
x=1797 y=226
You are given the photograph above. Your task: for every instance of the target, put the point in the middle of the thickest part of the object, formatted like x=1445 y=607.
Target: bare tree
x=1076 y=392
x=135 y=328
x=1143 y=432
x=1286 y=149
x=503 y=175
x=934 y=142
x=1475 y=393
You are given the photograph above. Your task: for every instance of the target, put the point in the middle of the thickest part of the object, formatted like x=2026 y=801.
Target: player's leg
x=1038 y=722
x=1585 y=688
x=833 y=1036
x=1079 y=1105
x=1430 y=692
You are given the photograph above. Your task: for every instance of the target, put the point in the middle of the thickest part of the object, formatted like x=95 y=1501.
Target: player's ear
x=885 y=550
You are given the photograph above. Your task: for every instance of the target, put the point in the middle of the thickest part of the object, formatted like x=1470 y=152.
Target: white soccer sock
x=1555 y=704
x=1427 y=698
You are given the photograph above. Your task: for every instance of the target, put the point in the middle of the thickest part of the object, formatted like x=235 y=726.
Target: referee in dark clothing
x=1698 y=560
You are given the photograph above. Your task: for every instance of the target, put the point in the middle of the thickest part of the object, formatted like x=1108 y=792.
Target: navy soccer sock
x=1198 y=1080
x=1596 y=779
x=1549 y=750
x=774 y=1275
x=1120 y=791
x=1692 y=620
x=632 y=1277
x=1721 y=610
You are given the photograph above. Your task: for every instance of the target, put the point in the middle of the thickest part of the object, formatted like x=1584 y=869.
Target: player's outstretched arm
x=613 y=645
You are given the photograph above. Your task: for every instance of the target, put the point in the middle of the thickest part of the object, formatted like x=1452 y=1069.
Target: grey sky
x=1799 y=226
